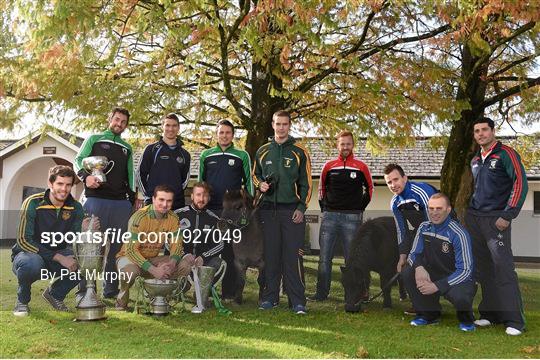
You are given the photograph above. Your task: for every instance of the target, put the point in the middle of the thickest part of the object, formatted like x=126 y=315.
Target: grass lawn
x=326 y=332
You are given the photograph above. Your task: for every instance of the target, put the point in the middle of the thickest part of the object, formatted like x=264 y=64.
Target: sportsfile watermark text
x=196 y=236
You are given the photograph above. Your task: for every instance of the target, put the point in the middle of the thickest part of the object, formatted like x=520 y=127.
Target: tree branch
x=510 y=92
x=514 y=63
x=309 y=83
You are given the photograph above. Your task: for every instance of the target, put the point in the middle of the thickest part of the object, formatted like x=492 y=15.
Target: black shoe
x=410 y=311
x=55 y=303
x=110 y=296
x=316 y=298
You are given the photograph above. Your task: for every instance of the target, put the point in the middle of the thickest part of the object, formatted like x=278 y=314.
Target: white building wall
x=525 y=229
x=27 y=167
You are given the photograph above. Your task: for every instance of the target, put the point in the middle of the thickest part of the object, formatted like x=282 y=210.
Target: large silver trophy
x=203 y=279
x=158 y=291
x=89 y=255
x=95 y=165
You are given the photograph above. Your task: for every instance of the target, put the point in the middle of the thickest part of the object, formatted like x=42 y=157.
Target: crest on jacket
x=184 y=224
x=66 y=215
x=445 y=247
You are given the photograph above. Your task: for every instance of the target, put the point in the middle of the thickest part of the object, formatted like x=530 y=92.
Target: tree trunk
x=456 y=178
x=263 y=106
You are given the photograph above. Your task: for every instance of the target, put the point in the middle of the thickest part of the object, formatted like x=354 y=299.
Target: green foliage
x=336 y=64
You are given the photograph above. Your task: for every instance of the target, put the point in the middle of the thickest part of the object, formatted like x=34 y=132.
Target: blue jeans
x=334 y=226
x=113 y=214
x=27 y=267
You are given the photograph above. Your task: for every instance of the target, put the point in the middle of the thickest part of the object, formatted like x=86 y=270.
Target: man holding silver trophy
x=34 y=256
x=151 y=228
x=105 y=165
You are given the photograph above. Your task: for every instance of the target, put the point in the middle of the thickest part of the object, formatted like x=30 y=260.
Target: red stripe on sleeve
x=519 y=176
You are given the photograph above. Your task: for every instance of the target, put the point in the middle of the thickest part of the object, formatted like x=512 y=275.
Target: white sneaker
x=482 y=322
x=196 y=310
x=21 y=309
x=513 y=331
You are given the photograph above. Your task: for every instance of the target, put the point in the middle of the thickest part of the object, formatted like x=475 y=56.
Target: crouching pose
x=441 y=264
x=151 y=228
x=198 y=224
x=35 y=256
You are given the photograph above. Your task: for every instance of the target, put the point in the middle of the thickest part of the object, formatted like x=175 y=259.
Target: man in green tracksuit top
x=225 y=167
x=110 y=201
x=282 y=172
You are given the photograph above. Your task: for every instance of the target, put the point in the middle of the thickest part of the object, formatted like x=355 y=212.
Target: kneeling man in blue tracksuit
x=441 y=264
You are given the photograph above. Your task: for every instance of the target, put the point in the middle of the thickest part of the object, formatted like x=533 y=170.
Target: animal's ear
x=227 y=191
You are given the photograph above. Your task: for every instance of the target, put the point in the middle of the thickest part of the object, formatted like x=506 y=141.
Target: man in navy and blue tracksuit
x=225 y=167
x=441 y=265
x=409 y=206
x=500 y=188
x=165 y=162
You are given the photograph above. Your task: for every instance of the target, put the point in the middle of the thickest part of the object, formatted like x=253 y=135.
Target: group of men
x=436 y=254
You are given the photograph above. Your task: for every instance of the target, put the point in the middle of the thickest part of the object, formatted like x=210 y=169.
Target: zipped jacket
x=445 y=251
x=345 y=185
x=199 y=231
x=40 y=218
x=120 y=183
x=224 y=170
x=410 y=210
x=290 y=167
x=500 y=183
x=161 y=165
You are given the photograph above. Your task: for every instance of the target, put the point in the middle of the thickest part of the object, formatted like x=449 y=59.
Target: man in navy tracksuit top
x=500 y=188
x=165 y=162
x=225 y=167
x=409 y=206
x=441 y=265
x=345 y=189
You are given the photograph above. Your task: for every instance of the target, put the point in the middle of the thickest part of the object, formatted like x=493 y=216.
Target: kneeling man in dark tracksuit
x=441 y=264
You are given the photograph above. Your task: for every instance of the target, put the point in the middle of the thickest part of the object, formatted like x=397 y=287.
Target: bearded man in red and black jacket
x=345 y=190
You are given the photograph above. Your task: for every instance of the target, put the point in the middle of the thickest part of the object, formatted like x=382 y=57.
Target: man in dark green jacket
x=282 y=172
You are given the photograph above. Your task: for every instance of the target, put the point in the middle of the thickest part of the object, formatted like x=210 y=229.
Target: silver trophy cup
x=158 y=290
x=203 y=279
x=89 y=256
x=95 y=165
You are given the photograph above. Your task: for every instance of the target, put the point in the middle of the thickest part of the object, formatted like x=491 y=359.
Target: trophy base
x=91 y=314
x=159 y=310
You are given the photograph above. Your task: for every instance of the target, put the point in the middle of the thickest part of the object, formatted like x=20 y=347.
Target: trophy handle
x=110 y=168
x=220 y=272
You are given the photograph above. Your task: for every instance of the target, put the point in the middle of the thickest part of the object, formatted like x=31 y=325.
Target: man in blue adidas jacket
x=441 y=265
x=165 y=162
x=409 y=206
